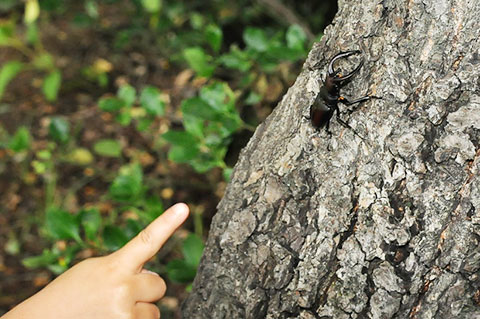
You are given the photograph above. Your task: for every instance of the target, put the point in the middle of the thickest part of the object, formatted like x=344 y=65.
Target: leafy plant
x=87 y=229
x=59 y=130
x=8 y=72
x=199 y=61
x=30 y=46
x=209 y=121
x=21 y=140
x=60 y=224
x=98 y=72
x=128 y=185
x=51 y=85
x=127 y=106
x=184 y=270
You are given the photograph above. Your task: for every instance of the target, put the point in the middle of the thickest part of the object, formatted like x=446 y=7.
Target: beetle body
x=321 y=111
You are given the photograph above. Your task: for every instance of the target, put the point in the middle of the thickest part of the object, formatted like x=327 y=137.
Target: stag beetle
x=326 y=102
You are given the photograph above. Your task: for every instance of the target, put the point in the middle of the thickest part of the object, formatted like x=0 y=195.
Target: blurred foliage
x=87 y=229
x=28 y=42
x=184 y=270
x=224 y=66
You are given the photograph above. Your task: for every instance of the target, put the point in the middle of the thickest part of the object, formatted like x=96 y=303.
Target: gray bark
x=320 y=226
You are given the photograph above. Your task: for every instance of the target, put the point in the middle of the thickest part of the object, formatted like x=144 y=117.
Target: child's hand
x=115 y=286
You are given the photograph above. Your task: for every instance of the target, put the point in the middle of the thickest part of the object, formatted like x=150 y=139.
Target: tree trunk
x=314 y=225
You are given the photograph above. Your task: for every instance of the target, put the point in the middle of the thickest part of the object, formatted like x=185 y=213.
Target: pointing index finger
x=149 y=241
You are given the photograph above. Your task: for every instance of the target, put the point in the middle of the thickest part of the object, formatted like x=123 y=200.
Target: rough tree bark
x=319 y=226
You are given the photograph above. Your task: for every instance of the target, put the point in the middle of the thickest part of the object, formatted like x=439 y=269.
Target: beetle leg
x=343 y=100
x=327 y=128
x=345 y=124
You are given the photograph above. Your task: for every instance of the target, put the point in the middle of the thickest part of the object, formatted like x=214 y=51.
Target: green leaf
x=57 y=269
x=52 y=5
x=150 y=100
x=219 y=96
x=179 y=271
x=44 y=154
x=253 y=98
x=132 y=228
x=296 y=37
x=114 y=238
x=153 y=209
x=214 y=139
x=128 y=185
x=102 y=79
x=256 y=39
x=67 y=257
x=192 y=250
x=12 y=246
x=91 y=8
x=221 y=99
x=46 y=258
x=237 y=59
x=197 y=20
x=181 y=154
x=21 y=140
x=59 y=129
x=199 y=61
x=60 y=224
x=281 y=53
x=143 y=124
x=124 y=117
x=39 y=167
x=108 y=148
x=6 y=33
x=180 y=138
x=227 y=174
x=203 y=166
x=197 y=107
x=51 y=85
x=79 y=156
x=110 y=104
x=91 y=221
x=205 y=162
x=127 y=94
x=152 y=6
x=214 y=35
x=193 y=125
x=122 y=39
x=44 y=61
x=82 y=20
x=8 y=71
